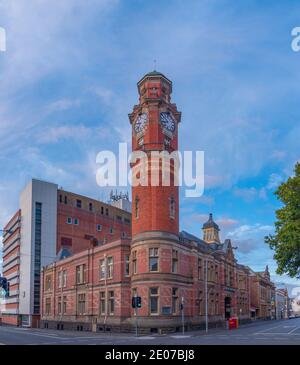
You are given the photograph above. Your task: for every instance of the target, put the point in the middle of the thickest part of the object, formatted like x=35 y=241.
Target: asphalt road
x=283 y=332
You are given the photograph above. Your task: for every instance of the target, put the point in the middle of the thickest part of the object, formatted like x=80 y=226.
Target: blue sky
x=68 y=81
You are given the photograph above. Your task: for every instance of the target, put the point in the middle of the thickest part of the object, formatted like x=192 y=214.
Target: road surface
x=258 y=333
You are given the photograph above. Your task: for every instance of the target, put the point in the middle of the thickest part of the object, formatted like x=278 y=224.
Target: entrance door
x=227 y=307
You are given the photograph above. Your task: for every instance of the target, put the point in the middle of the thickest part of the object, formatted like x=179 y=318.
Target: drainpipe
x=206 y=299
x=106 y=292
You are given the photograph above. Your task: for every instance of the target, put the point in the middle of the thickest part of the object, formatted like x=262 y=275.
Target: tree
x=286 y=240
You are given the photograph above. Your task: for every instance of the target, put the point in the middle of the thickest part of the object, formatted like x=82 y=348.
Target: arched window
x=172 y=207
x=136 y=206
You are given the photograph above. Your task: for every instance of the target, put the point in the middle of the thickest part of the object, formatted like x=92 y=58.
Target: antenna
x=154 y=62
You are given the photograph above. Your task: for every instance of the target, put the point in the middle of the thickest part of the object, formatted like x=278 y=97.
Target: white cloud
x=247 y=194
x=274 y=181
x=250 y=238
x=63 y=104
x=226 y=222
x=65 y=132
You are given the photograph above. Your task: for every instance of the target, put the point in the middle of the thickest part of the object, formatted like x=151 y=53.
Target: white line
x=267 y=329
x=276 y=333
x=293 y=330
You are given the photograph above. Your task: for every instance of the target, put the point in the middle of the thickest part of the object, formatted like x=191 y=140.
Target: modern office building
x=50 y=224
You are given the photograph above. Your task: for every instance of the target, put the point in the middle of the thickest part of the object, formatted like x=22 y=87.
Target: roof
x=210 y=223
x=212 y=246
x=63 y=254
x=154 y=73
x=190 y=237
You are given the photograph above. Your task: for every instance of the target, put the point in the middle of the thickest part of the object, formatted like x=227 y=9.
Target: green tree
x=286 y=240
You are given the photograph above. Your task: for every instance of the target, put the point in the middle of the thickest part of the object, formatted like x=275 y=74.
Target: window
x=99 y=227
x=37 y=257
x=64 y=305
x=90 y=207
x=59 y=305
x=80 y=274
x=78 y=203
x=211 y=309
x=153 y=259
x=216 y=273
x=64 y=279
x=106 y=211
x=172 y=207
x=153 y=300
x=66 y=200
x=69 y=220
x=123 y=234
x=136 y=207
x=174 y=300
x=102 y=269
x=119 y=218
x=110 y=267
x=126 y=220
x=76 y=221
x=102 y=210
x=200 y=269
x=60 y=198
x=81 y=303
x=111 y=230
x=174 y=261
x=111 y=302
x=48 y=282
x=60 y=279
x=217 y=304
x=134 y=262
x=201 y=303
x=127 y=264
x=102 y=303
x=48 y=307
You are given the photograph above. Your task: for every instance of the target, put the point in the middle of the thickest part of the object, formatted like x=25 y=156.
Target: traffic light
x=136 y=302
x=4 y=284
x=133 y=302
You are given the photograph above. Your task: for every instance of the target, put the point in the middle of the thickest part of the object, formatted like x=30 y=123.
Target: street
x=281 y=332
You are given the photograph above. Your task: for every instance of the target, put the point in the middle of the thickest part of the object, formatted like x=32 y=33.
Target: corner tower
x=155 y=123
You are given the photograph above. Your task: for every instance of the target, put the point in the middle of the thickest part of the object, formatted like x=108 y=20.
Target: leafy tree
x=286 y=241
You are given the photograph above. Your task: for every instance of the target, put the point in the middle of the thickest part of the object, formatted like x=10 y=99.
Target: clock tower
x=155 y=122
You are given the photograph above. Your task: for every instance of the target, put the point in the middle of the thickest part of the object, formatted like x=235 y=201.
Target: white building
x=29 y=243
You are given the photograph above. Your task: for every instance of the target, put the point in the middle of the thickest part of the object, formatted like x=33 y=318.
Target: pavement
x=275 y=332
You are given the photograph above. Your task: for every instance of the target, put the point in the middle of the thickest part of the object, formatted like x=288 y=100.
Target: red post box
x=233 y=323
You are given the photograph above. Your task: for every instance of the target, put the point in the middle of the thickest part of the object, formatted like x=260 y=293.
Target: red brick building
x=165 y=267
x=50 y=224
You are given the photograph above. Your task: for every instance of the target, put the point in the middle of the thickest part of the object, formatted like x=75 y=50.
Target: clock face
x=168 y=122
x=140 y=123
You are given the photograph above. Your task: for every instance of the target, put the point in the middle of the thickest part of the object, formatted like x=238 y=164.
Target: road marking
x=260 y=338
x=268 y=329
x=180 y=336
x=276 y=333
x=293 y=330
